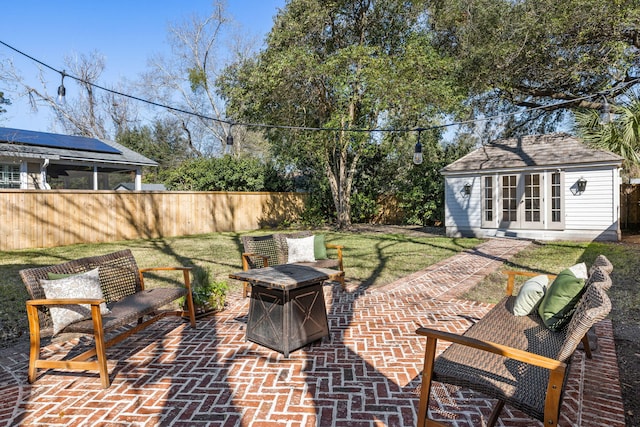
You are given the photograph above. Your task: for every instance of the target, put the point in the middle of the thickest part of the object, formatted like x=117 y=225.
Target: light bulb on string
x=605 y=115
x=62 y=92
x=417 y=151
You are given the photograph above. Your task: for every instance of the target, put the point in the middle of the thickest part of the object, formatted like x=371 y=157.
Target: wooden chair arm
x=247 y=255
x=338 y=248
x=185 y=274
x=142 y=270
x=64 y=301
x=186 y=278
x=511 y=278
x=503 y=350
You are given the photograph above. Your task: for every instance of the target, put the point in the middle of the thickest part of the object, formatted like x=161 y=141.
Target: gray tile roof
x=558 y=149
x=125 y=156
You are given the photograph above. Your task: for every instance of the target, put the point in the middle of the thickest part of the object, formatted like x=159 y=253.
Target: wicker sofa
x=272 y=249
x=127 y=300
x=515 y=359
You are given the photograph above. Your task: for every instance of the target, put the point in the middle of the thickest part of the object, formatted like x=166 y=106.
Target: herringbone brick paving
x=365 y=374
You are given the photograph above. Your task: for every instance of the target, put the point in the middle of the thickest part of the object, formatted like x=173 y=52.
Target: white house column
x=43 y=175
x=24 y=175
x=95 y=177
x=138 y=182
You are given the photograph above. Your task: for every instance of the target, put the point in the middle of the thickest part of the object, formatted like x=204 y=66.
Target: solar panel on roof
x=54 y=140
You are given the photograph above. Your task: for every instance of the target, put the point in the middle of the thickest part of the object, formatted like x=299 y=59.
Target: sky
x=126 y=32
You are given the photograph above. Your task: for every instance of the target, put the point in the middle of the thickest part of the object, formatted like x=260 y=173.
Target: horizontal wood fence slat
x=48 y=218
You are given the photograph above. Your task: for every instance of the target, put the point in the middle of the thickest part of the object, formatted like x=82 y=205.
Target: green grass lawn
x=370 y=259
x=552 y=257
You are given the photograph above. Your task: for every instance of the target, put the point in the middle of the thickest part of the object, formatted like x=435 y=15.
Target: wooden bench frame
x=557 y=368
x=40 y=321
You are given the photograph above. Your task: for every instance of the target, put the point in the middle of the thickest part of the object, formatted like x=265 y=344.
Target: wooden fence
x=40 y=219
x=630 y=207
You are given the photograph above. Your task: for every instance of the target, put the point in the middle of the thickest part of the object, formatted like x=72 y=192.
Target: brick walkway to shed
x=365 y=374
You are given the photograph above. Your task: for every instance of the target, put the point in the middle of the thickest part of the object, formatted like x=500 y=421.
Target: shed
x=544 y=187
x=41 y=160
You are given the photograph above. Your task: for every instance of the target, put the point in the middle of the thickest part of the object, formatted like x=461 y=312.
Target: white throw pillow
x=83 y=285
x=580 y=271
x=530 y=295
x=301 y=250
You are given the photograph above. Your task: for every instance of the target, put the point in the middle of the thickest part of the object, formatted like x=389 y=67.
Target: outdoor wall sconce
x=417 y=152
x=467 y=189
x=581 y=185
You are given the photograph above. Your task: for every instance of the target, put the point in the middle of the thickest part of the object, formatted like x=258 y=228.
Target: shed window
x=9 y=176
x=556 y=198
x=488 y=199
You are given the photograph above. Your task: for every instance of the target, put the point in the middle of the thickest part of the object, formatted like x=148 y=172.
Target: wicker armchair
x=514 y=359
x=271 y=249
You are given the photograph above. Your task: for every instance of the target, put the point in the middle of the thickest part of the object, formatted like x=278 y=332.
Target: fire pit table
x=286 y=309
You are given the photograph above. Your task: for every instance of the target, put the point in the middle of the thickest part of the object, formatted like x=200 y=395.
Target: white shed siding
x=462 y=211
x=595 y=209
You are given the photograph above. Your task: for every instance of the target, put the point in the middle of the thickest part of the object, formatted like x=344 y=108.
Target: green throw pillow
x=319 y=248
x=56 y=276
x=530 y=295
x=558 y=303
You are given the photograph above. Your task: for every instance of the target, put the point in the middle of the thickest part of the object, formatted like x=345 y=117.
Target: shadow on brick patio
x=365 y=373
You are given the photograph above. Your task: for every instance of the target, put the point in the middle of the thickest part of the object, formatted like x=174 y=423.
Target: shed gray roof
x=557 y=150
x=16 y=148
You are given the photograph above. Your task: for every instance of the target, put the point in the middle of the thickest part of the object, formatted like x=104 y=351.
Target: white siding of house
x=591 y=215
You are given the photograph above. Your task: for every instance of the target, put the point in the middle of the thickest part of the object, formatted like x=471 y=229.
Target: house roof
x=558 y=150
x=42 y=145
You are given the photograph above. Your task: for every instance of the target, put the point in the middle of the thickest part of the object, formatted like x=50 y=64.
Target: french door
x=521 y=202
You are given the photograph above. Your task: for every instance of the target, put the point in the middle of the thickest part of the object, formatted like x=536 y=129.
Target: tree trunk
x=340 y=175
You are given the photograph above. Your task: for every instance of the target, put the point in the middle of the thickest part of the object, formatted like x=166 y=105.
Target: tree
x=163 y=142
x=3 y=101
x=226 y=173
x=87 y=111
x=341 y=66
x=536 y=53
x=620 y=135
x=187 y=79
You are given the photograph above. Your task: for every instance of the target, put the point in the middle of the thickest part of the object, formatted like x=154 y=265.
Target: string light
x=62 y=92
x=229 y=138
x=605 y=116
x=417 y=151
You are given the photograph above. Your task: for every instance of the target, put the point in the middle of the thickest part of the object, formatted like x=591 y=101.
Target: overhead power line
x=307 y=128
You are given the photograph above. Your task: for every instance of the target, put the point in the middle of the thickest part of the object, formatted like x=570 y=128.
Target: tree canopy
x=342 y=65
x=536 y=53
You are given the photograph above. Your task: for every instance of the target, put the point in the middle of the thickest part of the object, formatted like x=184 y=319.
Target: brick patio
x=365 y=374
